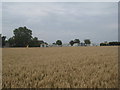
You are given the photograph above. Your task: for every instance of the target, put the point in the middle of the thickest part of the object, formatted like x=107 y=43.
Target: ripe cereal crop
x=60 y=67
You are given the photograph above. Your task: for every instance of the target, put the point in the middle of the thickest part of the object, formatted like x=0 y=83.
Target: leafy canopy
x=22 y=36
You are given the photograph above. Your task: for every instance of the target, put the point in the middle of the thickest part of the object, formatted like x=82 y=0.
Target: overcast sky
x=66 y=21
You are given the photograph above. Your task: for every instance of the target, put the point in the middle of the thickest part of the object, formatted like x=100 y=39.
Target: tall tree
x=87 y=41
x=3 y=41
x=22 y=36
x=71 y=42
x=59 y=42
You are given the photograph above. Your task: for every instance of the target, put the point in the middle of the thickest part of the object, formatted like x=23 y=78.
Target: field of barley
x=60 y=67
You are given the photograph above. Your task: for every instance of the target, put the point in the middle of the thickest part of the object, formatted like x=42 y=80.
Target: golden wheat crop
x=60 y=67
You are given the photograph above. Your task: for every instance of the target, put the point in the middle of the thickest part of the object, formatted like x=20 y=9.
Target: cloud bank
x=51 y=21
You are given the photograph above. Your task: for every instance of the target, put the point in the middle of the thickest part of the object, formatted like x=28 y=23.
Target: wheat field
x=60 y=67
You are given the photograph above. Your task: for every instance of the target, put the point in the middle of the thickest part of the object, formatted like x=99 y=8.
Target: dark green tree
x=87 y=41
x=59 y=42
x=34 y=42
x=77 y=41
x=22 y=36
x=11 y=41
x=102 y=44
x=3 y=41
x=0 y=40
x=54 y=43
x=71 y=42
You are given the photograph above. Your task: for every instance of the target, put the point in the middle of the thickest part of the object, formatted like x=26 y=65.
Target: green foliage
x=59 y=42
x=11 y=41
x=87 y=41
x=54 y=43
x=0 y=41
x=110 y=44
x=103 y=44
x=3 y=41
x=114 y=43
x=34 y=42
x=71 y=42
x=77 y=41
x=22 y=36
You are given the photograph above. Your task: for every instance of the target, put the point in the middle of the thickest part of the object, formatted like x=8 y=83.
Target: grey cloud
x=65 y=21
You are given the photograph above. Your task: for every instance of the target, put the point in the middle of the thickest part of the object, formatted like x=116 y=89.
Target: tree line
x=110 y=44
x=23 y=37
